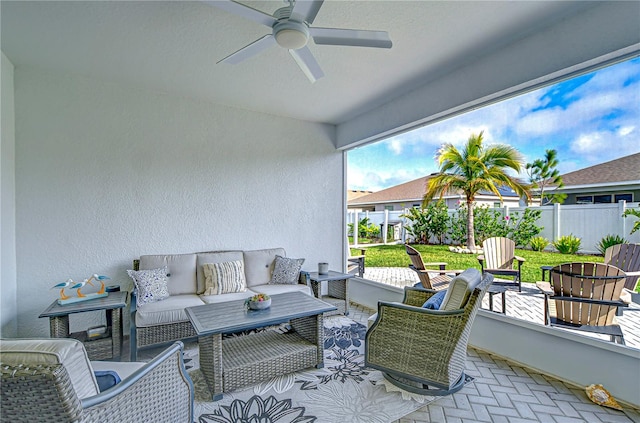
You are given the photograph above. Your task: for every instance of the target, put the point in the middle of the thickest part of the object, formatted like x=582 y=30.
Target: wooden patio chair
x=627 y=258
x=586 y=297
x=355 y=264
x=441 y=281
x=499 y=258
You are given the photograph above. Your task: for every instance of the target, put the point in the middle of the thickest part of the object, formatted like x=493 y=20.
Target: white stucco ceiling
x=173 y=47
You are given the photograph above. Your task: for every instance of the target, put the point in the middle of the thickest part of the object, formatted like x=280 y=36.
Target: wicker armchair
x=51 y=380
x=422 y=350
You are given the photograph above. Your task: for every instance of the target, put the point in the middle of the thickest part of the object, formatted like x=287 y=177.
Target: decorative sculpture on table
x=65 y=299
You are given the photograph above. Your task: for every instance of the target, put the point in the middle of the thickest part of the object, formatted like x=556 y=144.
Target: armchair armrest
x=163 y=381
x=545 y=288
x=520 y=260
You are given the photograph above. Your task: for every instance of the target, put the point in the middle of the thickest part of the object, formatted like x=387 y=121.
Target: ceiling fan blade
x=243 y=11
x=351 y=37
x=252 y=49
x=304 y=58
x=308 y=9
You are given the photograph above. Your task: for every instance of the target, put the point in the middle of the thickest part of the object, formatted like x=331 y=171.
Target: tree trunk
x=471 y=238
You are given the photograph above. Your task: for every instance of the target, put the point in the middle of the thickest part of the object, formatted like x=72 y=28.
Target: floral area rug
x=343 y=391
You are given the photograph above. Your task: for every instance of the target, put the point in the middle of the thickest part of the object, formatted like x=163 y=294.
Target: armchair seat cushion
x=124 y=369
x=170 y=310
x=65 y=351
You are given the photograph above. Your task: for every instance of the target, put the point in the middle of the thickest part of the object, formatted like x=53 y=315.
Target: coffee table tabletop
x=233 y=316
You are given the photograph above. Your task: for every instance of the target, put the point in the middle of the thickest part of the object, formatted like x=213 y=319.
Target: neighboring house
x=410 y=194
x=353 y=194
x=608 y=182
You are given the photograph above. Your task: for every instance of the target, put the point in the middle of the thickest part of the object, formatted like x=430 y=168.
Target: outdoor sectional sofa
x=164 y=321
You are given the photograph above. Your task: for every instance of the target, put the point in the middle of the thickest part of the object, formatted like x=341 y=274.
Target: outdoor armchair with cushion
x=52 y=380
x=423 y=350
x=584 y=297
x=441 y=281
x=499 y=258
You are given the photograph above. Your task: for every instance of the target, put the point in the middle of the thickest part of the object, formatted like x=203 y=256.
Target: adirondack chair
x=441 y=281
x=627 y=258
x=499 y=259
x=586 y=298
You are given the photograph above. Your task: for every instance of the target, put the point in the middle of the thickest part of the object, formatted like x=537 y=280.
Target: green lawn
x=395 y=256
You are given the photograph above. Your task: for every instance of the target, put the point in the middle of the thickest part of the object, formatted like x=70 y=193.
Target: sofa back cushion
x=181 y=267
x=258 y=265
x=213 y=257
x=68 y=352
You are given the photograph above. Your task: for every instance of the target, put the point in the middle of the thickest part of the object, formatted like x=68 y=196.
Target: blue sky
x=589 y=119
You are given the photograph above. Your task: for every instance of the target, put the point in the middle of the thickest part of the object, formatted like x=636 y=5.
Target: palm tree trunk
x=471 y=238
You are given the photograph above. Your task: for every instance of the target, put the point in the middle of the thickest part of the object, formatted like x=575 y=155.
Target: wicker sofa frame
x=160 y=391
x=421 y=350
x=153 y=336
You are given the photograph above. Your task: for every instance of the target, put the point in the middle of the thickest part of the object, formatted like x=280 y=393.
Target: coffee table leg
x=311 y=328
x=211 y=363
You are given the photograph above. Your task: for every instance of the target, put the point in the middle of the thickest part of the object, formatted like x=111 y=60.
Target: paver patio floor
x=505 y=391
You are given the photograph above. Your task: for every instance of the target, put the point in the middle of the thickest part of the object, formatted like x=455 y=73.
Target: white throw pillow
x=224 y=278
x=151 y=284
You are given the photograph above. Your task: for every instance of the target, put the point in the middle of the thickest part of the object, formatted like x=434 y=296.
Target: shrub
x=567 y=244
x=427 y=222
x=538 y=243
x=523 y=228
x=609 y=241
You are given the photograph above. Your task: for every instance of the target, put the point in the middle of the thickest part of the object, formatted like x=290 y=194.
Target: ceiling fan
x=291 y=29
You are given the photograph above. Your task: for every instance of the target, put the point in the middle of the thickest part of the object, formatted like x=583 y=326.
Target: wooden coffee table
x=243 y=360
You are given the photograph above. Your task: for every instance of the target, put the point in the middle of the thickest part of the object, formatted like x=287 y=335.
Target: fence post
x=556 y=221
x=385 y=226
x=622 y=206
x=356 y=228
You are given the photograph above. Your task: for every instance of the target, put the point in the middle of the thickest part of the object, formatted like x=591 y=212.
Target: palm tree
x=473 y=169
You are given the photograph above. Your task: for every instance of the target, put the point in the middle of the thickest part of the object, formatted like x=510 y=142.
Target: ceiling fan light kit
x=291 y=29
x=291 y=35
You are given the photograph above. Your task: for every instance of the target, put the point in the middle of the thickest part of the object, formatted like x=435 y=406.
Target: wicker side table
x=105 y=348
x=337 y=290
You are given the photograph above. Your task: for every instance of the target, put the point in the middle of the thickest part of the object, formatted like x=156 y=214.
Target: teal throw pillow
x=433 y=303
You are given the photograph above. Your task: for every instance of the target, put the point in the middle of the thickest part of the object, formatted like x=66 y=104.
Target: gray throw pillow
x=286 y=270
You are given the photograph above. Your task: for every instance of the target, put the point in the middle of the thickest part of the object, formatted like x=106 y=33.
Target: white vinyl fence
x=589 y=222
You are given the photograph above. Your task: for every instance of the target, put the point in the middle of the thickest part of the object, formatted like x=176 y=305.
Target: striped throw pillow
x=224 y=278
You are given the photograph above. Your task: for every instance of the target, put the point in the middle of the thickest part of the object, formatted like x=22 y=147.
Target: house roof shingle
x=619 y=170
x=409 y=191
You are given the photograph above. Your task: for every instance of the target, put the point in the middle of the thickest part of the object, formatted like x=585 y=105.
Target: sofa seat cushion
x=259 y=264
x=68 y=352
x=215 y=299
x=124 y=369
x=170 y=310
x=273 y=289
x=213 y=257
x=181 y=270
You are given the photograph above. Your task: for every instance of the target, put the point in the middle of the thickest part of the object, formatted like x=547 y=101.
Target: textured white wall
x=8 y=287
x=105 y=173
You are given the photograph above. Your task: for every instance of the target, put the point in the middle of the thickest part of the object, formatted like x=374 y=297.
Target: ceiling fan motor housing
x=290 y=34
